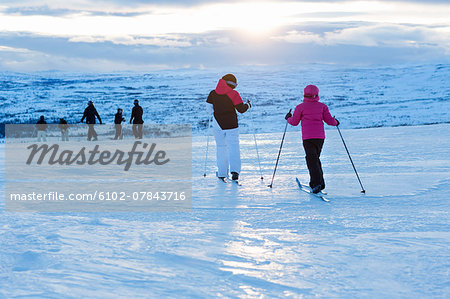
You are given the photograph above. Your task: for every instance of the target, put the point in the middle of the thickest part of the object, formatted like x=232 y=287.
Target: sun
x=252 y=18
x=257 y=18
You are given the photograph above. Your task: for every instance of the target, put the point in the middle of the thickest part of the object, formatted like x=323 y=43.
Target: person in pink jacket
x=312 y=113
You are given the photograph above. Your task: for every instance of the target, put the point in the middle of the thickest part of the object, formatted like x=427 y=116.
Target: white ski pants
x=41 y=135
x=228 y=154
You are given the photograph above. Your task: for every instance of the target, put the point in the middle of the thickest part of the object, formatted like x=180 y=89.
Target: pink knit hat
x=311 y=91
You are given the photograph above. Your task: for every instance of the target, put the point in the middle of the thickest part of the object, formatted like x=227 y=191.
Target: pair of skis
x=307 y=189
x=303 y=187
x=227 y=180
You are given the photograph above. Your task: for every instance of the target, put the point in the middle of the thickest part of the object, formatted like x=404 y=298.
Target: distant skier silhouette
x=64 y=128
x=312 y=114
x=136 y=119
x=90 y=113
x=118 y=119
x=41 y=127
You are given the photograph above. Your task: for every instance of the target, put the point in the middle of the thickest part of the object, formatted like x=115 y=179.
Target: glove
x=288 y=115
x=337 y=122
x=249 y=104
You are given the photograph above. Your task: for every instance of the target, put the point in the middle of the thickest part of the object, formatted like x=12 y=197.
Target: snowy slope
x=361 y=97
x=252 y=241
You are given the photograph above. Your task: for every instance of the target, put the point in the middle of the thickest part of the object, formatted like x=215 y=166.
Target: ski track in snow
x=248 y=241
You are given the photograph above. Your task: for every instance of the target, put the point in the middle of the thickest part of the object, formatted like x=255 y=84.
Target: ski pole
x=256 y=144
x=354 y=168
x=207 y=143
x=279 y=152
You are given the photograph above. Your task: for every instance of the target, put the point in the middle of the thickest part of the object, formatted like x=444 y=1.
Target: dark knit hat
x=230 y=79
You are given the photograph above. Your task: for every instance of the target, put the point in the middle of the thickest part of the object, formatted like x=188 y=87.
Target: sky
x=138 y=35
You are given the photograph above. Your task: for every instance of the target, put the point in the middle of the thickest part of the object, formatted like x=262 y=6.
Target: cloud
x=25 y=60
x=84 y=18
x=14 y=50
x=65 y=12
x=137 y=35
x=388 y=35
x=300 y=37
x=163 y=41
x=375 y=35
x=24 y=52
x=98 y=7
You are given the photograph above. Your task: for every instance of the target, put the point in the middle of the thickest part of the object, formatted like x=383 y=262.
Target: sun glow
x=250 y=17
x=254 y=17
x=259 y=19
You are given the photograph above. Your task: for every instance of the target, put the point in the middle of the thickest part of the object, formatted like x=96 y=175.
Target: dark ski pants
x=313 y=148
x=118 y=128
x=91 y=132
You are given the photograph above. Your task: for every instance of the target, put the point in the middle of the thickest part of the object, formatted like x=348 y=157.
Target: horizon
x=236 y=68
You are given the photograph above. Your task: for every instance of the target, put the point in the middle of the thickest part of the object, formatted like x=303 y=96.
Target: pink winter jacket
x=312 y=114
x=223 y=88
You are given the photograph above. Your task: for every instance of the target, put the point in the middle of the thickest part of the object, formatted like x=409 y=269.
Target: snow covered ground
x=360 y=97
x=251 y=241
